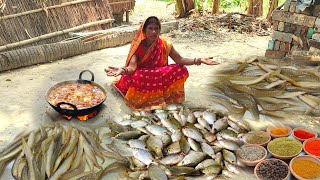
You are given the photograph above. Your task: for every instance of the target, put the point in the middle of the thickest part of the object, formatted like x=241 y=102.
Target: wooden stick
x=57 y=33
x=42 y=9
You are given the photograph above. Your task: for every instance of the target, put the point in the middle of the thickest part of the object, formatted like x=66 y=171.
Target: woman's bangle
x=197 y=61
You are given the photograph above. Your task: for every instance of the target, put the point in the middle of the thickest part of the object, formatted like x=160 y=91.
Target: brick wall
x=294 y=30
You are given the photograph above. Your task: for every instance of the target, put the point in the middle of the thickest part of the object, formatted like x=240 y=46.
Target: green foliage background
x=228 y=5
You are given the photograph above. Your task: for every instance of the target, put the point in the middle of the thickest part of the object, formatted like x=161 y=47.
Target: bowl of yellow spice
x=277 y=131
x=305 y=167
x=284 y=148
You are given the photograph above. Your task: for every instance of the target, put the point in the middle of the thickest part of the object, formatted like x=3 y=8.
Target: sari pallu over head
x=154 y=83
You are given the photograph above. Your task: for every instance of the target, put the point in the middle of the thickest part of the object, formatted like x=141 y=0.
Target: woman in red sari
x=147 y=81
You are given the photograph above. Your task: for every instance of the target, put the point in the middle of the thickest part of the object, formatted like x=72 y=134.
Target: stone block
x=275 y=25
x=289 y=28
x=281 y=26
x=314 y=43
x=271 y=44
x=308 y=11
x=275 y=54
x=285 y=47
x=276 y=45
x=292 y=7
x=298 y=30
x=299 y=19
x=316 y=36
x=310 y=33
x=286 y=5
x=281 y=36
x=316 y=10
x=317 y=23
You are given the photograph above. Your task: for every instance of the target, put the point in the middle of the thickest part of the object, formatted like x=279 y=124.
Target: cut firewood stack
x=295 y=30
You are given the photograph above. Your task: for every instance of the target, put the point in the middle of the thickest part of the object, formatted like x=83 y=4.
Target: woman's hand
x=208 y=61
x=114 y=71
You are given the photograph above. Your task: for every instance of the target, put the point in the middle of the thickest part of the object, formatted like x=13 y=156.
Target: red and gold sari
x=154 y=83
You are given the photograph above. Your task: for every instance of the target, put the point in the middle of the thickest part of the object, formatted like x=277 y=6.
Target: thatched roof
x=119 y=6
x=25 y=19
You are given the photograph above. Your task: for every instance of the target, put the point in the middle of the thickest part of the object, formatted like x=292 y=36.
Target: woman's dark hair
x=150 y=20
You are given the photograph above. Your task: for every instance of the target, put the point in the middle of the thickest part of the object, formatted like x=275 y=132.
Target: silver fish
x=210 y=117
x=206 y=163
x=156 y=129
x=156 y=173
x=176 y=136
x=135 y=143
x=171 y=159
x=229 y=145
x=142 y=155
x=229 y=156
x=194 y=145
x=207 y=149
x=192 y=158
x=193 y=133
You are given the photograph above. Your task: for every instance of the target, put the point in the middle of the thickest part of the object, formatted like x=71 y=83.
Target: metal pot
x=76 y=112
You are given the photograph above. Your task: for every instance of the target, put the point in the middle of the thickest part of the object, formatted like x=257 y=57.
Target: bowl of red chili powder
x=312 y=147
x=302 y=133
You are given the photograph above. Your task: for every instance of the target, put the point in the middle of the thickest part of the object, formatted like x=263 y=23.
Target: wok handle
x=73 y=106
x=92 y=75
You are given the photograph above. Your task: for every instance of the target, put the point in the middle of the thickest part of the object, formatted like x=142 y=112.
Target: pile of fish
x=56 y=152
x=177 y=142
x=271 y=87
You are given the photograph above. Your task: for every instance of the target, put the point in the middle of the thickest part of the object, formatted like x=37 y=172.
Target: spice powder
x=306 y=169
x=285 y=146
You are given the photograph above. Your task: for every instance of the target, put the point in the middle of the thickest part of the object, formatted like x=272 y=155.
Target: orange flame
x=68 y=117
x=86 y=117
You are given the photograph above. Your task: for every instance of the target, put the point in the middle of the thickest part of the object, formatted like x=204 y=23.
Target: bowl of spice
x=302 y=133
x=257 y=137
x=279 y=131
x=305 y=167
x=251 y=155
x=272 y=169
x=284 y=148
x=312 y=147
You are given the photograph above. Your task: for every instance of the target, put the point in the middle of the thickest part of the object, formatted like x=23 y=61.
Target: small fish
x=206 y=163
x=135 y=143
x=213 y=169
x=210 y=137
x=233 y=168
x=156 y=129
x=219 y=125
x=184 y=145
x=142 y=155
x=192 y=158
x=229 y=145
x=194 y=145
x=174 y=148
x=193 y=133
x=207 y=149
x=204 y=123
x=129 y=135
x=210 y=117
x=176 y=136
x=155 y=144
x=140 y=123
x=171 y=159
x=156 y=173
x=229 y=156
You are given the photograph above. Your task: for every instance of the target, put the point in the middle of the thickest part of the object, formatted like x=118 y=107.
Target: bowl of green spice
x=257 y=138
x=284 y=148
x=251 y=155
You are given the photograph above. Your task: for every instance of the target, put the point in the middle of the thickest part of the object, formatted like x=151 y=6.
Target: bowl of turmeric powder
x=277 y=131
x=305 y=167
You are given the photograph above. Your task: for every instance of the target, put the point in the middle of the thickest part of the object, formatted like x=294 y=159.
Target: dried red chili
x=303 y=134
x=313 y=147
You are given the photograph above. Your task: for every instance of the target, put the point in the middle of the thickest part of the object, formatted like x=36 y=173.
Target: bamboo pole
x=42 y=9
x=50 y=35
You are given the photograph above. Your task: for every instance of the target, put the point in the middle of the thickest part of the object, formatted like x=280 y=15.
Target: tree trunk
x=273 y=4
x=189 y=4
x=255 y=8
x=181 y=8
x=215 y=7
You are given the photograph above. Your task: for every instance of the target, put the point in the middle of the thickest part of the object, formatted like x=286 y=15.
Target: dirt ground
x=23 y=105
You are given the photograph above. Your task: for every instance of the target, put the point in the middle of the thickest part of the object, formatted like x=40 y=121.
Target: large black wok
x=76 y=112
